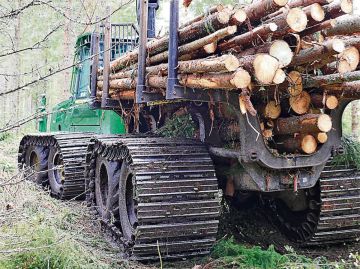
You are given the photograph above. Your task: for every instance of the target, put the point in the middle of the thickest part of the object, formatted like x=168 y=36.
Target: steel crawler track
x=339 y=219
x=176 y=195
x=333 y=214
x=72 y=148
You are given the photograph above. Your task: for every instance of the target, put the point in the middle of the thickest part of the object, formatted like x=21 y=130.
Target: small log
x=315 y=14
x=238 y=18
x=295 y=83
x=323 y=26
x=210 y=48
x=123 y=95
x=208 y=12
x=299 y=143
x=352 y=57
x=322 y=138
x=318 y=52
x=236 y=80
x=347 y=90
x=319 y=81
x=267 y=133
x=272 y=110
x=324 y=101
x=300 y=103
x=280 y=76
x=256 y=35
x=293 y=20
x=278 y=49
x=195 y=45
x=309 y=123
x=338 y=8
x=304 y=3
x=265 y=68
x=259 y=9
x=343 y=25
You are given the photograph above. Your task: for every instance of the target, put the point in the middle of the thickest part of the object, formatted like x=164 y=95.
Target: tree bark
x=194 y=46
x=324 y=101
x=210 y=11
x=293 y=20
x=256 y=35
x=318 y=52
x=355 y=119
x=347 y=90
x=343 y=25
x=260 y=9
x=298 y=143
x=319 y=81
x=309 y=123
x=304 y=3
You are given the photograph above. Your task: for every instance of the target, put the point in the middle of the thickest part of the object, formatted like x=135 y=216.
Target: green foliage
x=232 y=253
x=4 y=136
x=179 y=126
x=351 y=156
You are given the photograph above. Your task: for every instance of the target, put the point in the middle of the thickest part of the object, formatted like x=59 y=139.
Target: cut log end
x=231 y=63
x=272 y=110
x=347 y=6
x=241 y=79
x=210 y=48
x=296 y=84
x=297 y=19
x=265 y=67
x=223 y=17
x=282 y=52
x=281 y=3
x=332 y=102
x=317 y=12
x=351 y=56
x=280 y=76
x=273 y=27
x=300 y=103
x=322 y=138
x=338 y=45
x=324 y=123
x=308 y=144
x=238 y=18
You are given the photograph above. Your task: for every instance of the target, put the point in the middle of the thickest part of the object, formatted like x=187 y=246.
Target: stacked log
x=290 y=61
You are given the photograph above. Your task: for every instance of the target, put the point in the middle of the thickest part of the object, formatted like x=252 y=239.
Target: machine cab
x=75 y=114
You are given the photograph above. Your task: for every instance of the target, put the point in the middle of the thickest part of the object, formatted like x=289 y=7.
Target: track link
x=72 y=149
x=333 y=213
x=176 y=195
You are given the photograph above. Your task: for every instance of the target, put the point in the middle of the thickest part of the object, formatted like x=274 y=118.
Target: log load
x=309 y=123
x=289 y=63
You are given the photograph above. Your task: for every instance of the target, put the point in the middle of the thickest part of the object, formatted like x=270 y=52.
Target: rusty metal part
x=72 y=148
x=175 y=195
x=332 y=215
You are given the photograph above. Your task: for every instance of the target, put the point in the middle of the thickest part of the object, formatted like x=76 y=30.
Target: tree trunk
x=319 y=81
x=260 y=9
x=344 y=25
x=299 y=143
x=318 y=52
x=348 y=90
x=255 y=36
x=355 y=119
x=324 y=101
x=68 y=47
x=309 y=123
x=194 y=46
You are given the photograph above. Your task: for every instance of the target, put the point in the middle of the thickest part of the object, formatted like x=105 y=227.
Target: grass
x=228 y=254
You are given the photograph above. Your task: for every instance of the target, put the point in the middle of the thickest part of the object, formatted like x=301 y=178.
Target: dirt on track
x=253 y=225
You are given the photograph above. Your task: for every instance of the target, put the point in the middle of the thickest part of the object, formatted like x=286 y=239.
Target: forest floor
x=37 y=231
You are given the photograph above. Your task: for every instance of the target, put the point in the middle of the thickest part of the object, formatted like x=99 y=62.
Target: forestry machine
x=162 y=191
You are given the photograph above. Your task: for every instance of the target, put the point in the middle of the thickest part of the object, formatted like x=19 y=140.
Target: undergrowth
x=351 y=156
x=229 y=254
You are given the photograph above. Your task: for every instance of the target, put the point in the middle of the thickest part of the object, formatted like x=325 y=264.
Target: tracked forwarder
x=157 y=126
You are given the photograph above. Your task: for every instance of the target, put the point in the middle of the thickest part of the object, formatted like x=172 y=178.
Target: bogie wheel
x=298 y=213
x=36 y=164
x=106 y=186
x=56 y=172
x=127 y=202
